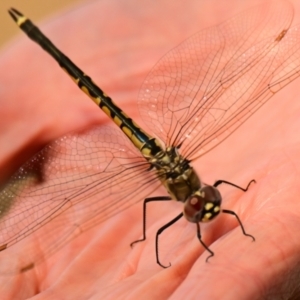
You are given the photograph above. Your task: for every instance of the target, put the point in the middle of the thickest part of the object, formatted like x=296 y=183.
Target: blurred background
x=35 y=9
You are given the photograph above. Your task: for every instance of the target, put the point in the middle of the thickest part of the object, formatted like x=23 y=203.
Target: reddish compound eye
x=203 y=206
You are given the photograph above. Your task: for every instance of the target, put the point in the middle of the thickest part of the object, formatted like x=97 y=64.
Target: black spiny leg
x=160 y=230
x=144 y=215
x=226 y=211
x=202 y=243
x=236 y=186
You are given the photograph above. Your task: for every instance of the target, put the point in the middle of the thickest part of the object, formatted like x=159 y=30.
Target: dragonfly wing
x=204 y=89
x=68 y=187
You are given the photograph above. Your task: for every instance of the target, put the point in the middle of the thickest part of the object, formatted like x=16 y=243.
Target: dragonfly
x=196 y=96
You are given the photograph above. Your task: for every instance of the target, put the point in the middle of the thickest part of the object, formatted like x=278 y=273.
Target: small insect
x=195 y=97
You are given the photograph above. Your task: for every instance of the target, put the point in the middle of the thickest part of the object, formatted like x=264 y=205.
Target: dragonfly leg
x=232 y=184
x=147 y=200
x=203 y=244
x=160 y=230
x=226 y=211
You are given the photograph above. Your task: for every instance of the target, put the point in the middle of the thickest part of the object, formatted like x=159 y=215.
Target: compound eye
x=203 y=205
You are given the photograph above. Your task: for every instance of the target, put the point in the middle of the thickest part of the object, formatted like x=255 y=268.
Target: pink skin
x=39 y=103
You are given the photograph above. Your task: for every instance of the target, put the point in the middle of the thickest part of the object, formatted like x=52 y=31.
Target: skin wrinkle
x=279 y=278
x=285 y=287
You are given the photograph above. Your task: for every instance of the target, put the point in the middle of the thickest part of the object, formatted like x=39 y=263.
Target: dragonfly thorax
x=176 y=174
x=201 y=203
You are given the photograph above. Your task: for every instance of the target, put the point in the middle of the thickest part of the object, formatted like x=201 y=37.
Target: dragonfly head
x=204 y=205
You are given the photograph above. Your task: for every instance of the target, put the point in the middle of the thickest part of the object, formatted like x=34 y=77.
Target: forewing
x=204 y=89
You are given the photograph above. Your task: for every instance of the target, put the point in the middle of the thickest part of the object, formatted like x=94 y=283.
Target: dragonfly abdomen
x=144 y=142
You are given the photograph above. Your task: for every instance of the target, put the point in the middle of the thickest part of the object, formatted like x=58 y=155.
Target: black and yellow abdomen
x=144 y=142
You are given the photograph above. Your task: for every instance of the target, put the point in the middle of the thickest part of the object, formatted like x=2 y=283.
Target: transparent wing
x=70 y=186
x=204 y=89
